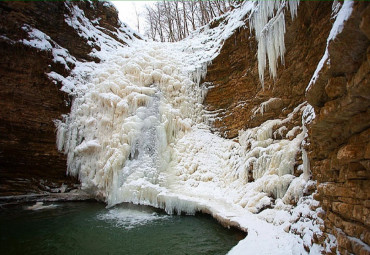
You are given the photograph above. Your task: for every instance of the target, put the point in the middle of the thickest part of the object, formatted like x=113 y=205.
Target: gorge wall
x=234 y=73
x=338 y=137
x=30 y=100
x=338 y=141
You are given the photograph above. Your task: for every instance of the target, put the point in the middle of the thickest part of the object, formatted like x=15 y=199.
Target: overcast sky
x=126 y=12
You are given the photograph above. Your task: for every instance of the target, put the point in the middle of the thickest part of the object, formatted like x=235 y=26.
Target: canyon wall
x=340 y=134
x=338 y=138
x=237 y=92
x=338 y=141
x=30 y=100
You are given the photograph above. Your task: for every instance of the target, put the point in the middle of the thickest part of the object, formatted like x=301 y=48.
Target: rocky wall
x=236 y=94
x=340 y=135
x=30 y=101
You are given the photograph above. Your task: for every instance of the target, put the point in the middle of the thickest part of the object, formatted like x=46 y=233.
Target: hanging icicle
x=268 y=22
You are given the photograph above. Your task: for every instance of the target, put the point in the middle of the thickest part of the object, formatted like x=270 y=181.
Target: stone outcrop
x=30 y=101
x=237 y=92
x=339 y=136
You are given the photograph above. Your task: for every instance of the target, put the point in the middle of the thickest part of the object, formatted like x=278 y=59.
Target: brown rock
x=336 y=87
x=351 y=152
x=357 y=171
x=343 y=209
x=236 y=94
x=30 y=101
x=343 y=61
x=359 y=86
x=366 y=236
x=353 y=229
x=365 y=22
x=344 y=242
x=366 y=164
x=367 y=152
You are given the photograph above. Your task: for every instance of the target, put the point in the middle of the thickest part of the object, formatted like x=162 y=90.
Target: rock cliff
x=30 y=100
x=339 y=135
x=237 y=94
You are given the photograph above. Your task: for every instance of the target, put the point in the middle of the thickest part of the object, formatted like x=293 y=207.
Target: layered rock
x=236 y=95
x=339 y=136
x=30 y=100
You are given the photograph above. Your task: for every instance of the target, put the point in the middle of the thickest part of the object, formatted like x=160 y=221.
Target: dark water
x=90 y=228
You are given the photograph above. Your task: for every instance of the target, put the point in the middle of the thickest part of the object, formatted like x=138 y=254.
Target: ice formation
x=268 y=21
x=137 y=132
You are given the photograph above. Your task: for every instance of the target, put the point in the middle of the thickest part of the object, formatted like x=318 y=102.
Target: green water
x=90 y=228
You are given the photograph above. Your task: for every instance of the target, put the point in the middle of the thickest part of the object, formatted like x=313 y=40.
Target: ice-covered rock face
x=129 y=112
x=128 y=135
x=120 y=130
x=137 y=134
x=41 y=43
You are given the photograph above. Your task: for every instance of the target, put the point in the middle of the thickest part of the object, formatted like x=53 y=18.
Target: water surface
x=90 y=228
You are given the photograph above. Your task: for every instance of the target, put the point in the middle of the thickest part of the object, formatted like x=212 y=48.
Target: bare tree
x=173 y=20
x=137 y=17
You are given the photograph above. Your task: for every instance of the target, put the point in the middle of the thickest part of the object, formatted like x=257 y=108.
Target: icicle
x=268 y=21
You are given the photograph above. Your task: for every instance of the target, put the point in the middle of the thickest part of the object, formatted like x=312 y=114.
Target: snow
x=94 y=34
x=342 y=16
x=137 y=132
x=43 y=42
x=309 y=114
x=265 y=105
x=37 y=39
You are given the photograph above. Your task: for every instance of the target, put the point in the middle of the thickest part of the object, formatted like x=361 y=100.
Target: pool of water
x=90 y=228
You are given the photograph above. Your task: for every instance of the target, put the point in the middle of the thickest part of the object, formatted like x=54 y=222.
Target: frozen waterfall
x=137 y=133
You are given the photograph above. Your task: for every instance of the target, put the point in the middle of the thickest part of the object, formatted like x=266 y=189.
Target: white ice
x=268 y=21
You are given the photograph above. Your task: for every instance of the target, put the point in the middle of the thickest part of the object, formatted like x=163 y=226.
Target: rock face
x=30 y=101
x=339 y=135
x=237 y=92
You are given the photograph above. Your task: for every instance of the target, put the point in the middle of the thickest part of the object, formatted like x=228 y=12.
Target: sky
x=126 y=12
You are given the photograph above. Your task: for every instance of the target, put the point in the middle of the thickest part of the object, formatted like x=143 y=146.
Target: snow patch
x=41 y=41
x=40 y=206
